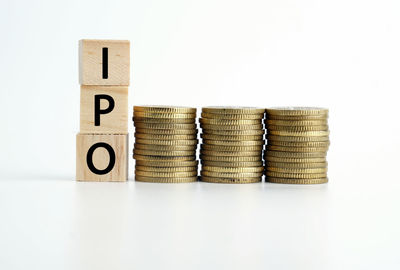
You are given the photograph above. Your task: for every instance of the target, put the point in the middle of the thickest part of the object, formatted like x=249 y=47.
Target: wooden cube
x=104 y=109
x=104 y=62
x=101 y=157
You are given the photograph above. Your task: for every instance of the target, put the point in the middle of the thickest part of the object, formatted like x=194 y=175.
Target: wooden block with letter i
x=101 y=157
x=104 y=62
x=104 y=109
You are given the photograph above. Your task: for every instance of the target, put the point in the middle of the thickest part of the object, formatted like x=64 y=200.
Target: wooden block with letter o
x=101 y=157
x=104 y=62
x=104 y=109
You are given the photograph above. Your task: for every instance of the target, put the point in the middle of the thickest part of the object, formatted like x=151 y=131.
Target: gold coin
x=164 y=120
x=231 y=159
x=165 y=137
x=167 y=131
x=166 y=174
x=165 y=169
x=233 y=110
x=236 y=175
x=296 y=170
x=295 y=175
x=297 y=128
x=297 y=123
x=294 y=154
x=163 y=153
x=232 y=137
x=230 y=180
x=233 y=169
x=234 y=132
x=233 y=127
x=234 y=143
x=296 y=111
x=232 y=164
x=164 y=115
x=224 y=122
x=232 y=116
x=297 y=138
x=170 y=158
x=231 y=153
x=167 y=163
x=297 y=181
x=165 y=142
x=296 y=149
x=165 y=147
x=299 y=144
x=299 y=134
x=215 y=147
x=295 y=160
x=166 y=179
x=165 y=126
x=309 y=165
x=321 y=117
x=164 y=109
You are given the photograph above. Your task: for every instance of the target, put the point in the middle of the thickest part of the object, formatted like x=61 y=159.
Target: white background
x=344 y=55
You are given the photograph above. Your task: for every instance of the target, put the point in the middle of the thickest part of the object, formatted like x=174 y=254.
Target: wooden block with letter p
x=101 y=157
x=104 y=62
x=104 y=109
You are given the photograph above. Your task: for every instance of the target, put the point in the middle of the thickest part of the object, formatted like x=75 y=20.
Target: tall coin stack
x=165 y=144
x=232 y=146
x=297 y=144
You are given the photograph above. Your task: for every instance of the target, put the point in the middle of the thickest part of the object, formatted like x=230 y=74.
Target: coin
x=297 y=128
x=224 y=122
x=297 y=181
x=231 y=153
x=294 y=154
x=230 y=180
x=165 y=137
x=296 y=149
x=164 y=120
x=164 y=109
x=305 y=165
x=167 y=163
x=166 y=174
x=215 y=147
x=232 y=137
x=236 y=175
x=166 y=169
x=299 y=134
x=165 y=142
x=233 y=110
x=163 y=115
x=299 y=144
x=165 y=126
x=230 y=159
x=295 y=160
x=296 y=111
x=232 y=164
x=295 y=175
x=233 y=169
x=296 y=170
x=167 y=131
x=170 y=158
x=232 y=127
x=232 y=116
x=163 y=153
x=234 y=143
x=297 y=122
x=298 y=138
x=165 y=179
x=165 y=147
x=234 y=132
x=297 y=118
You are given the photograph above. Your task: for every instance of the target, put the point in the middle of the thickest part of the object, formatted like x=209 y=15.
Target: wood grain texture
x=101 y=157
x=91 y=62
x=114 y=122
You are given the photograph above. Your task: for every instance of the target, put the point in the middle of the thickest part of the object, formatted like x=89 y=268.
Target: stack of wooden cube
x=102 y=144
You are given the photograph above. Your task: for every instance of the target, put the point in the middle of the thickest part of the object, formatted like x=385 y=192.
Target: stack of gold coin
x=165 y=144
x=297 y=144
x=233 y=140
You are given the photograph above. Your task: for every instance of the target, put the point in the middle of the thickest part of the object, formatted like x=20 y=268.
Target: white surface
x=343 y=55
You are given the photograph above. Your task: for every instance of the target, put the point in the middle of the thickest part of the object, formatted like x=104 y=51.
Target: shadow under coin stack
x=165 y=144
x=298 y=141
x=232 y=144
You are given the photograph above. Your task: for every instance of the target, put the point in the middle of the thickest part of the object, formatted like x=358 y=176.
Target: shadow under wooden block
x=101 y=157
x=104 y=109
x=104 y=62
